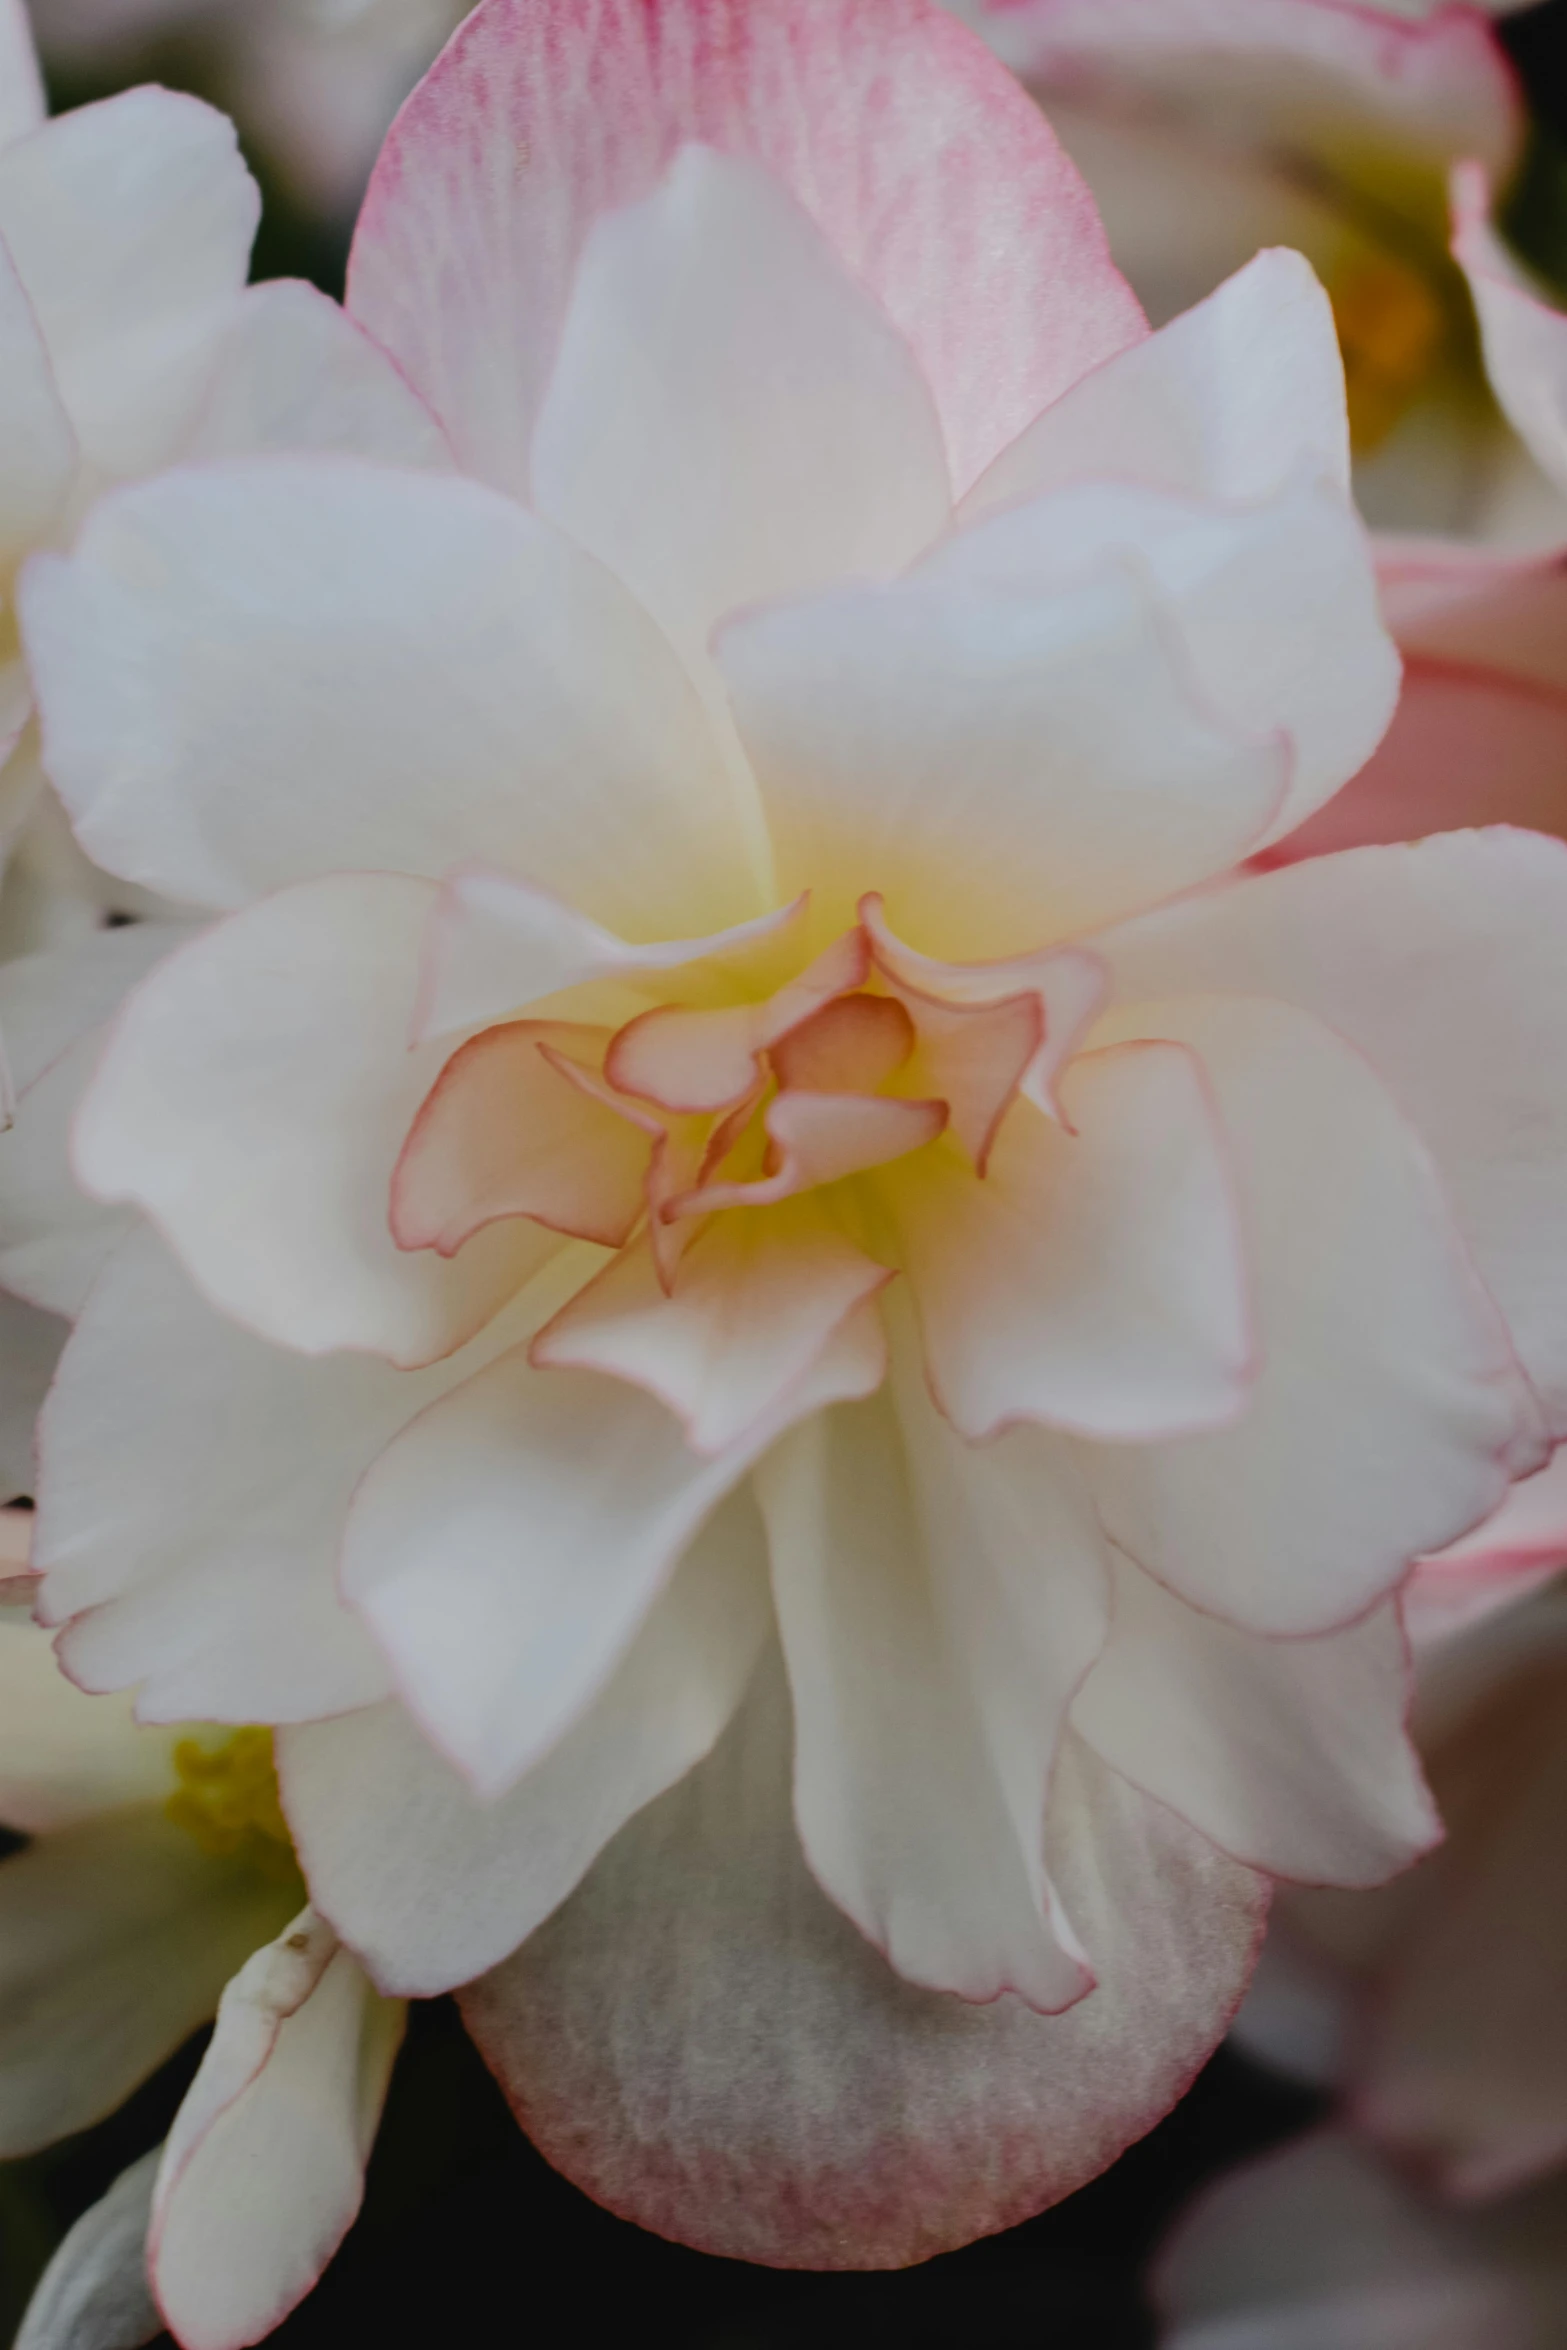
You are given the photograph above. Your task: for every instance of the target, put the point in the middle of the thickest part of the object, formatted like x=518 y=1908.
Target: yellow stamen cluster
x=1391 y=329
x=227 y=1798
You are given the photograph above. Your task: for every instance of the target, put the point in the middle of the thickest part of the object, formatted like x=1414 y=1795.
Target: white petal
x=1446 y=965
x=253 y=1099
x=1004 y=768
x=506 y=1548
x=1388 y=1405
x=37 y=445
x=1525 y=338
x=705 y=2044
x=1228 y=401
x=22 y=102
x=65 y=1756
x=1288 y=1754
x=1093 y=1279
x=260 y=671
x=130 y=224
x=730 y=416
x=94 y=2294
x=430 y=1884
x=263 y=2170
x=116 y=1937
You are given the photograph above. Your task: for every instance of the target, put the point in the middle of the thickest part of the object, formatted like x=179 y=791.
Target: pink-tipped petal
x=817 y=1138
x=1092 y=1279
x=754 y=1301
x=702 y=2041
x=1520 y=1546
x=1525 y=338
x=700 y=1058
x=538 y=119
x=503 y=1132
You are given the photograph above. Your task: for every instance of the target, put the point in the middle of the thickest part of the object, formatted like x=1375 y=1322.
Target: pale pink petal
x=1226 y=402
x=730 y=416
x=189 y=1523
x=937 y=1609
x=755 y=1301
x=1289 y=1754
x=1003 y=767
x=1446 y=968
x=820 y=1138
x=1094 y=1279
x=293 y=371
x=253 y=1099
x=503 y=1132
x=130 y=225
x=94 y=2293
x=116 y=1937
x=702 y=2041
x=1520 y=1546
x=430 y=1884
x=1388 y=1412
x=962 y=216
x=1320 y=2246
x=706 y=1058
x=507 y=1547
x=64 y=1756
x=37 y=444
x=263 y=2170
x=22 y=102
x=257 y=672
x=1525 y=338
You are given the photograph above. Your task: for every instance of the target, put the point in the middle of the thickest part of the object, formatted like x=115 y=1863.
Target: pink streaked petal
x=755 y=1300
x=694 y=1059
x=507 y=1546
x=961 y=215
x=1521 y=1545
x=704 y=2042
x=504 y=1132
x=1525 y=338
x=820 y=1138
x=1094 y=1279
x=497 y=944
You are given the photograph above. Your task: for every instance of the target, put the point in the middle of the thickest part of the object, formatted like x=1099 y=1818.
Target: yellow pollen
x=1391 y=330
x=227 y=1798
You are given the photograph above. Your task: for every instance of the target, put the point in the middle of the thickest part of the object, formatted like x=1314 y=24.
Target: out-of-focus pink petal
x=962 y=216
x=1094 y=1278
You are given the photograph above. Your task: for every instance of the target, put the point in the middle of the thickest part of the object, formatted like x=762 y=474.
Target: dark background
x=467 y=2237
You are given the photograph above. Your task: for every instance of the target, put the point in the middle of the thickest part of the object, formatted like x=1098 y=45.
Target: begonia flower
x=158 y=1887
x=793 y=1336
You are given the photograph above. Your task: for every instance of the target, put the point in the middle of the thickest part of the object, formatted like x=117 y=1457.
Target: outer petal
x=1446 y=965
x=961 y=214
x=37 y=444
x=507 y=1547
x=1093 y=1279
x=94 y=2294
x=116 y=1937
x=130 y=224
x=65 y=1757
x=1004 y=768
x=705 y=2044
x=192 y=1521
x=1290 y=1754
x=1525 y=339
x=258 y=672
x=1388 y=1414
x=730 y=416
x=430 y=1884
x=294 y=372
x=937 y=1609
x=1227 y=401
x=263 y=2171
x=253 y=1099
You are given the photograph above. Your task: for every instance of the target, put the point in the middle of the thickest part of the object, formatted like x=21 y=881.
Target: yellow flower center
x=1392 y=328
x=227 y=1798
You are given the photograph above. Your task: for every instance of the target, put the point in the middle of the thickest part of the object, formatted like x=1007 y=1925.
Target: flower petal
x=536 y=120
x=1448 y=970
x=116 y=1937
x=256 y=672
x=756 y=1300
x=1289 y=1754
x=64 y=1756
x=430 y=1884
x=130 y=224
x=1003 y=768
x=263 y=2170
x=506 y=1548
x=1388 y=1413
x=94 y=2293
x=253 y=1099
x=37 y=444
x=30 y=1344
x=1093 y=1279
x=1525 y=339
x=703 y=2042
x=22 y=102
x=1522 y=1544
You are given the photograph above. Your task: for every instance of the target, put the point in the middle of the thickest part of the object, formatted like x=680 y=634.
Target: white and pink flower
x=766 y=1301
